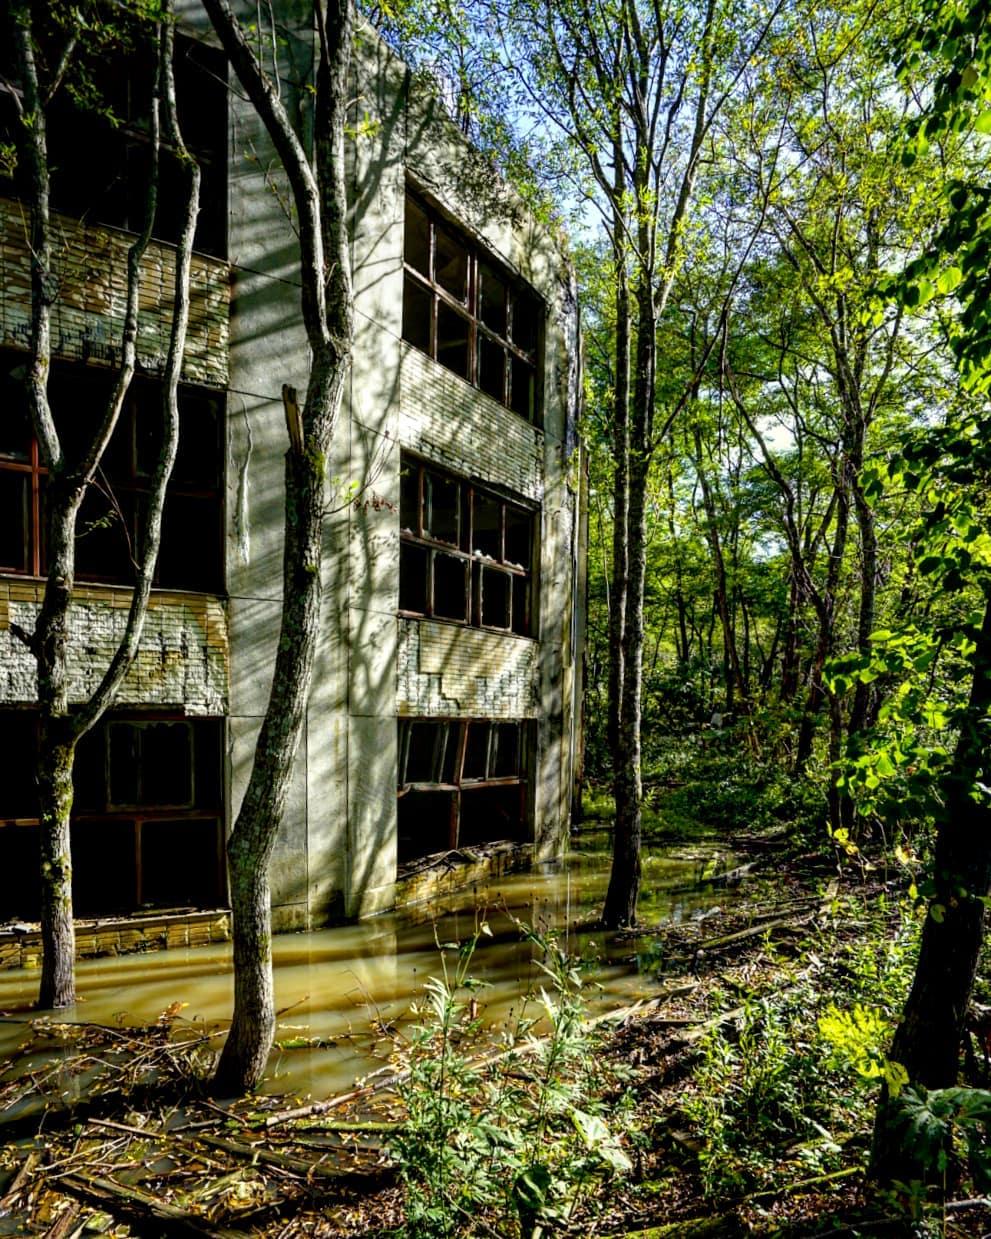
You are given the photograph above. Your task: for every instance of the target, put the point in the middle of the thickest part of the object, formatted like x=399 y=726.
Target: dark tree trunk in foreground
x=321 y=204
x=62 y=725
x=928 y=1039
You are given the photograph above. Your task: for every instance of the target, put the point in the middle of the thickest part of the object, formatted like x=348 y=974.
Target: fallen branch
x=106 y=1192
x=298 y=1165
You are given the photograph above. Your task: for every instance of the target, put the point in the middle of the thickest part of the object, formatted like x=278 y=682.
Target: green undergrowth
x=707 y=784
x=787 y=1090
x=514 y=1141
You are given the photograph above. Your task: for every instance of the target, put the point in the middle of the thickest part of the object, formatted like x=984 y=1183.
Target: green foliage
x=942 y=1127
x=792 y=1088
x=513 y=1144
x=711 y=781
x=755 y=1094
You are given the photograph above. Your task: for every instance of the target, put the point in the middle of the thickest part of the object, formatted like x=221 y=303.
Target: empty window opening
x=466 y=553
x=147 y=827
x=99 y=151
x=462 y=782
x=496 y=598
x=450 y=587
x=111 y=517
x=475 y=320
x=414 y=571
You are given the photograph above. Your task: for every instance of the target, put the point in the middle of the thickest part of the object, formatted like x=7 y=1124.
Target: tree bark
x=620 y=907
x=321 y=206
x=927 y=1041
x=62 y=725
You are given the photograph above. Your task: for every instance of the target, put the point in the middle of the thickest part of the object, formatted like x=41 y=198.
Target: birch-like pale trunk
x=61 y=722
x=320 y=199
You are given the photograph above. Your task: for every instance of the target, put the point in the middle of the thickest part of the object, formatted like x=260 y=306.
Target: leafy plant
x=509 y=1142
x=938 y=1127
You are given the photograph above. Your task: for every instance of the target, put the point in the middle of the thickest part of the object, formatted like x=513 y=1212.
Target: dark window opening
x=492 y=369
x=453 y=340
x=489 y=813
x=443 y=508
x=496 y=598
x=418 y=308
x=450 y=587
x=147 y=827
x=487 y=324
x=409 y=498
x=417 y=239
x=424 y=824
x=465 y=554
x=109 y=525
x=414 y=569
x=462 y=782
x=476 y=751
x=99 y=154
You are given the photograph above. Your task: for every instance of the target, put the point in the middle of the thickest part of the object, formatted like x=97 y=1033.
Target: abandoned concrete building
x=445 y=703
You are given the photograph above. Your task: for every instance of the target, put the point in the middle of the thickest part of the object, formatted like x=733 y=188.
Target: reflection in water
x=347 y=985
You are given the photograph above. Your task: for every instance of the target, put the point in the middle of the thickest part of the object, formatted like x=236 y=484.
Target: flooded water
x=348 y=988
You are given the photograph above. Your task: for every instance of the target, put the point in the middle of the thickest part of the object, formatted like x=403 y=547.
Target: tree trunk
x=825 y=604
x=927 y=1041
x=252 y=841
x=62 y=726
x=58 y=937
x=321 y=207
x=621 y=466
x=620 y=907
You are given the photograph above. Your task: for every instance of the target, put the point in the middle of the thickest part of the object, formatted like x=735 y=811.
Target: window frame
x=519 y=576
x=202 y=808
x=457 y=731
x=125 y=489
x=129 y=139
x=478 y=260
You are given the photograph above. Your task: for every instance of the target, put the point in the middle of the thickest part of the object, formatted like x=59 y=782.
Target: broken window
x=473 y=318
x=110 y=521
x=461 y=782
x=99 y=150
x=147 y=826
x=466 y=553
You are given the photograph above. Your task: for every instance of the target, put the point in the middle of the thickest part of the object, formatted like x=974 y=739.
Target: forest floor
x=738 y=1118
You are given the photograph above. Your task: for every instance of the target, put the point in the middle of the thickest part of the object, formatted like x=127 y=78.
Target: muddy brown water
x=351 y=987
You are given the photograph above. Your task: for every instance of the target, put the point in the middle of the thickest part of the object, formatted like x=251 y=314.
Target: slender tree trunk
x=621 y=468
x=624 y=879
x=58 y=937
x=826 y=608
x=733 y=672
x=62 y=725
x=320 y=199
x=860 y=711
x=790 y=667
x=928 y=1039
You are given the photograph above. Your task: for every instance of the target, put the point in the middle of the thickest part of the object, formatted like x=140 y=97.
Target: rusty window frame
x=479 y=333
x=518 y=577
x=199 y=69
x=125 y=487
x=457 y=730
x=137 y=818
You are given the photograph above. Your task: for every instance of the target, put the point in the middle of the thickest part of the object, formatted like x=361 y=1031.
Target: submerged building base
x=444 y=873
x=20 y=946
x=417 y=884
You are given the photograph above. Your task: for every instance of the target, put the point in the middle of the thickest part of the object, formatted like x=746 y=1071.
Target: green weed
x=510 y=1141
